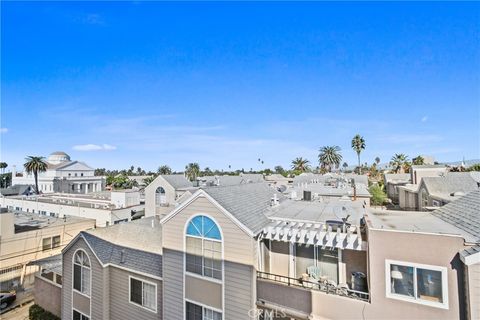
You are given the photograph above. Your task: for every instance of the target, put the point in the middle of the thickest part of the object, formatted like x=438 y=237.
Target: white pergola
x=319 y=234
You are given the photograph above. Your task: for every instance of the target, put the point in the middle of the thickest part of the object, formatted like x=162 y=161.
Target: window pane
x=85 y=280
x=136 y=291
x=402 y=280
x=149 y=296
x=194 y=312
x=193 y=230
x=210 y=229
x=429 y=285
x=77 y=277
x=56 y=241
x=327 y=261
x=77 y=315
x=194 y=255
x=304 y=260
x=46 y=244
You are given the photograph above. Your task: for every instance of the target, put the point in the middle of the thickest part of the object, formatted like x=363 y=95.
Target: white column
x=342 y=268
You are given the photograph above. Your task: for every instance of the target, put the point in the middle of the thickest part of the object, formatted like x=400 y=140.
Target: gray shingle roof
x=463 y=213
x=452 y=182
x=177 y=180
x=107 y=252
x=470 y=251
x=247 y=202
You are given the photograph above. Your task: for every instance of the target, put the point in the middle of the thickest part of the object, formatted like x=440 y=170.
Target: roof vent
x=274 y=200
x=122 y=256
x=307 y=195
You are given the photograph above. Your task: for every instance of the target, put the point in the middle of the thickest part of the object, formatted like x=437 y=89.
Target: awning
x=320 y=234
x=49 y=264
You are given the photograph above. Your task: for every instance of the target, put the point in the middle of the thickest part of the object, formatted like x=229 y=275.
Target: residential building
x=433 y=192
x=26 y=237
x=62 y=176
x=417 y=172
x=106 y=208
x=261 y=255
x=394 y=180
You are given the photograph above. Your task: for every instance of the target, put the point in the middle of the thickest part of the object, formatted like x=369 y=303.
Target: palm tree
x=35 y=165
x=300 y=164
x=399 y=161
x=418 y=161
x=345 y=166
x=358 y=144
x=192 y=170
x=164 y=170
x=149 y=180
x=3 y=165
x=329 y=157
x=377 y=160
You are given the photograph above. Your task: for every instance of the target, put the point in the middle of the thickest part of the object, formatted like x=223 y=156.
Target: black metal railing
x=324 y=286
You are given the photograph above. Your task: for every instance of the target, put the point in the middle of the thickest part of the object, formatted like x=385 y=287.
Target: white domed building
x=63 y=176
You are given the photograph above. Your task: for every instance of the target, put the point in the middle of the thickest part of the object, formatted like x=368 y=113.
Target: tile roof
x=444 y=186
x=463 y=213
x=177 y=180
x=137 y=260
x=246 y=202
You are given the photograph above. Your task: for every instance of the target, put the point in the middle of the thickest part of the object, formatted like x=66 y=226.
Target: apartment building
x=26 y=237
x=106 y=208
x=248 y=252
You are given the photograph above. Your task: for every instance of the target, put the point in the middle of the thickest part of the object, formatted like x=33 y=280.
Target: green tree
x=418 y=161
x=378 y=195
x=149 y=180
x=279 y=170
x=164 y=170
x=192 y=171
x=399 y=162
x=35 y=165
x=329 y=157
x=358 y=145
x=474 y=167
x=3 y=166
x=300 y=164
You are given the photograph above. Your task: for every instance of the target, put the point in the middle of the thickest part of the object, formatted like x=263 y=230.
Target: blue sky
x=150 y=83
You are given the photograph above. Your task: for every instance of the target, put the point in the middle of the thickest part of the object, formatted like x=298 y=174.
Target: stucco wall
x=48 y=295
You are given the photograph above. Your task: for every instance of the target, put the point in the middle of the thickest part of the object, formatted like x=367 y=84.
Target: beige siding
x=151 y=207
x=239 y=290
x=238 y=246
x=239 y=260
x=48 y=295
x=195 y=289
x=97 y=285
x=120 y=305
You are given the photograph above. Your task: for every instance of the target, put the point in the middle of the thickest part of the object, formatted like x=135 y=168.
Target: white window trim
x=81 y=313
x=73 y=276
x=130 y=293
x=443 y=270
x=204 y=306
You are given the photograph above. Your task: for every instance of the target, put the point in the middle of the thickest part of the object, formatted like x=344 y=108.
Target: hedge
x=38 y=313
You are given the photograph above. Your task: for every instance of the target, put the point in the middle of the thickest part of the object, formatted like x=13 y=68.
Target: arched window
x=160 y=197
x=81 y=272
x=204 y=247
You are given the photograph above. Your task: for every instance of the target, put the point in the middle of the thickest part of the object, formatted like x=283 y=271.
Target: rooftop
x=25 y=221
x=415 y=221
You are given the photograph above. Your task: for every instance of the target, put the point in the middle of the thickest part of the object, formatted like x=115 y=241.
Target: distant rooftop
x=26 y=221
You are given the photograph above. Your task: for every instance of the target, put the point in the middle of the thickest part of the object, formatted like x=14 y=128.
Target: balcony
x=325 y=286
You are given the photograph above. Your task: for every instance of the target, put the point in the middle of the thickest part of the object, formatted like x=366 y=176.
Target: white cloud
x=424 y=119
x=93 y=147
x=3 y=130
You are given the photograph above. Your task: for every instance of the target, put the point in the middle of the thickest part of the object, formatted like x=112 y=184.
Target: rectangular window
x=46 y=244
x=196 y=312
x=204 y=257
x=79 y=316
x=417 y=283
x=56 y=242
x=143 y=293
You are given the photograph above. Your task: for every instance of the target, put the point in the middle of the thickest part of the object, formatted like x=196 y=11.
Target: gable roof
x=442 y=187
x=67 y=164
x=248 y=203
x=16 y=190
x=177 y=180
x=396 y=177
x=136 y=260
x=463 y=213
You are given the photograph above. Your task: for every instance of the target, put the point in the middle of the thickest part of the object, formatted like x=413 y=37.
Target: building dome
x=58 y=157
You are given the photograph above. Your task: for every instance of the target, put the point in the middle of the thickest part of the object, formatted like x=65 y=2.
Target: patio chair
x=314 y=272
